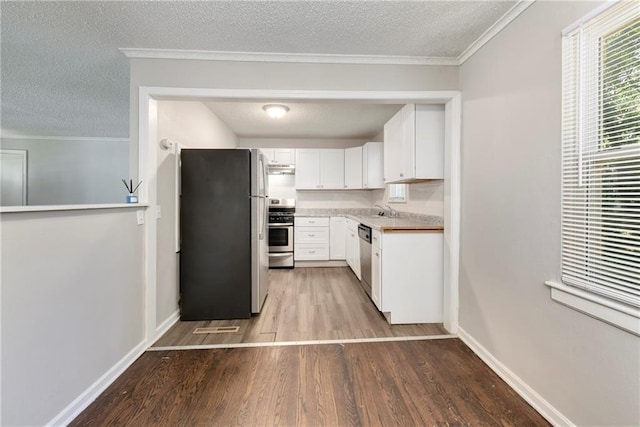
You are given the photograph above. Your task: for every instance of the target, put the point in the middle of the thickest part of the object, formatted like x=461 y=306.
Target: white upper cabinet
x=372 y=165
x=307 y=169
x=353 y=168
x=319 y=169
x=285 y=156
x=280 y=156
x=332 y=169
x=414 y=144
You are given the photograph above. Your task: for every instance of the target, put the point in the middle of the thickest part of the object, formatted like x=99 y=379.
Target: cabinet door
x=337 y=238
x=408 y=142
x=353 y=167
x=429 y=162
x=376 y=284
x=285 y=156
x=393 y=145
x=351 y=240
x=348 y=248
x=307 y=169
x=372 y=165
x=356 y=254
x=331 y=169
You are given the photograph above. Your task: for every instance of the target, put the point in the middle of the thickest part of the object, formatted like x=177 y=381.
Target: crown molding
x=500 y=24
x=311 y=58
x=205 y=55
x=15 y=135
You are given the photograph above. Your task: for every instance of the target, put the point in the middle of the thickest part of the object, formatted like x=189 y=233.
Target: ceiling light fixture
x=276 y=111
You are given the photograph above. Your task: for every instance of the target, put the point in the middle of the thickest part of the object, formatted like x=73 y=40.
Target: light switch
x=140 y=217
x=158 y=212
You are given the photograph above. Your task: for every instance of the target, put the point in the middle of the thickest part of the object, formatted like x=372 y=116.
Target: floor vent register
x=217 y=330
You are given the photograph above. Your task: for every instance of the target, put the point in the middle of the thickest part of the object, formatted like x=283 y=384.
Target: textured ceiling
x=62 y=73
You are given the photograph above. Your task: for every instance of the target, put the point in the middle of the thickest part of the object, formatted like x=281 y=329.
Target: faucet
x=384 y=211
x=392 y=212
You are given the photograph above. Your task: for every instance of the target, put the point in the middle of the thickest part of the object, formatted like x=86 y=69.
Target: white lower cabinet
x=352 y=247
x=411 y=277
x=337 y=238
x=376 y=269
x=311 y=239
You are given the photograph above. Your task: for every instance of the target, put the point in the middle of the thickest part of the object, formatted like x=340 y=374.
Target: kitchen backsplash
x=424 y=198
x=334 y=199
x=282 y=186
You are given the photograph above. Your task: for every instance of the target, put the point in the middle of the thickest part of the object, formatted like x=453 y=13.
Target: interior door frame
x=23 y=154
x=147 y=167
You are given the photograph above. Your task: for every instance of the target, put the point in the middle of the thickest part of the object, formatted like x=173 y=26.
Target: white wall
x=74 y=171
x=192 y=125
x=71 y=305
x=588 y=370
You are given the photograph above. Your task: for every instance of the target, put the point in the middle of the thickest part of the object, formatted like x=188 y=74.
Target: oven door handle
x=280 y=254
x=287 y=224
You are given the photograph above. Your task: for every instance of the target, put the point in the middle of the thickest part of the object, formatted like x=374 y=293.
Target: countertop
x=405 y=222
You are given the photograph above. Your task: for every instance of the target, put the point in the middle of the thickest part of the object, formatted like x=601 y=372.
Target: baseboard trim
x=166 y=325
x=74 y=409
x=543 y=407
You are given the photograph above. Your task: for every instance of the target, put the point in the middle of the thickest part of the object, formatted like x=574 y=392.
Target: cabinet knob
x=312 y=252
x=312 y=235
x=345 y=186
x=377 y=254
x=401 y=175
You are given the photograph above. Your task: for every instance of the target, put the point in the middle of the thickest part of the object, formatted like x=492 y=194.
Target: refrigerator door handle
x=263 y=214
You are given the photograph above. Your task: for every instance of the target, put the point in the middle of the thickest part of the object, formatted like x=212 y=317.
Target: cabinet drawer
x=311 y=235
x=312 y=221
x=310 y=252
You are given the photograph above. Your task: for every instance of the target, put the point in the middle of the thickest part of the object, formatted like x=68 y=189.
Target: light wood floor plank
x=304 y=304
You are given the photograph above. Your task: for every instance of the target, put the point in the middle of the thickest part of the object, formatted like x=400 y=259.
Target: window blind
x=601 y=154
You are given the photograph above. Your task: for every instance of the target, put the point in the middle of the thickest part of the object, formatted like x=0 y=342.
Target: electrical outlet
x=158 y=212
x=140 y=217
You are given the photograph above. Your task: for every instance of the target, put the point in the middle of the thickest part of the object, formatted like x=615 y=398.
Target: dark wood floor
x=304 y=304
x=404 y=383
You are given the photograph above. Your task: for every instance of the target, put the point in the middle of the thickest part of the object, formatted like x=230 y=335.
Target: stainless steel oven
x=281 y=237
x=281 y=213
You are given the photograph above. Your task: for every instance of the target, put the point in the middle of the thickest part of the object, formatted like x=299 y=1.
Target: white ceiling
x=305 y=120
x=62 y=72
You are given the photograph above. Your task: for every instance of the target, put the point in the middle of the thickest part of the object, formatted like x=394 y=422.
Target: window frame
x=594 y=299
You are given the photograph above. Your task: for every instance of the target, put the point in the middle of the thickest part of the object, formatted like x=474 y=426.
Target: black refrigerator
x=224 y=246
